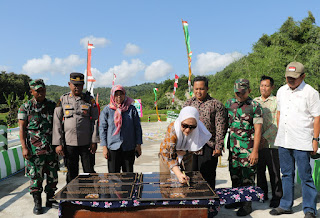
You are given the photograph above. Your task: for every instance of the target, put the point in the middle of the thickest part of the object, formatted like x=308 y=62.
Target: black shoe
x=37 y=203
x=279 y=211
x=245 y=210
x=50 y=202
x=274 y=203
x=309 y=215
x=234 y=205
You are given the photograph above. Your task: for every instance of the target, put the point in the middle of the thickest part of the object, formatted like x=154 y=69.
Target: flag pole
x=87 y=65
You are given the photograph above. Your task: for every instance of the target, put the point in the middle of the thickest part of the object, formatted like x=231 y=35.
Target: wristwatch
x=316 y=139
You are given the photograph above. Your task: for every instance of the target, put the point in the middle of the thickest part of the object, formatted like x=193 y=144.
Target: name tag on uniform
x=84 y=107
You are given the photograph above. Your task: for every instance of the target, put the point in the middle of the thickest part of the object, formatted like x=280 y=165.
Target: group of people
x=70 y=129
x=268 y=131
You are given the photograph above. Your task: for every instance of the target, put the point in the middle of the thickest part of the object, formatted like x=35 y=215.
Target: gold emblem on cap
x=67 y=106
x=67 y=112
x=78 y=78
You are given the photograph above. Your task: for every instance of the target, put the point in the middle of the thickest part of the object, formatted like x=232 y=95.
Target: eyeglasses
x=185 y=126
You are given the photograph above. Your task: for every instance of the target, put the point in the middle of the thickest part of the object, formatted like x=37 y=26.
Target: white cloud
x=47 y=65
x=124 y=73
x=157 y=69
x=132 y=49
x=4 y=68
x=97 y=42
x=212 y=62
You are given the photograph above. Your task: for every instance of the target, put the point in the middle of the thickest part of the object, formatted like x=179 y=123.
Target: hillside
x=294 y=41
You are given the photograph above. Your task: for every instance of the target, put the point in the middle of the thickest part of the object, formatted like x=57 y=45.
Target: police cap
x=77 y=78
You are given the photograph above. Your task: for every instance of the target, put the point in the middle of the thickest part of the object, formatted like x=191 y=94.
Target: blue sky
x=140 y=41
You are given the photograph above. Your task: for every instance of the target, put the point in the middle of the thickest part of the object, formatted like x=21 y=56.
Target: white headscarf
x=197 y=138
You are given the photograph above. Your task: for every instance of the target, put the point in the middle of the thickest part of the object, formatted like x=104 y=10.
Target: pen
x=187 y=180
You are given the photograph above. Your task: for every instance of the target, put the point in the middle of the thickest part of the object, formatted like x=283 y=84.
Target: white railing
x=13 y=137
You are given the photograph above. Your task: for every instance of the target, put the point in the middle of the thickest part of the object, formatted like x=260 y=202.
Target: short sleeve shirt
x=269 y=127
x=297 y=109
x=241 y=119
x=39 y=117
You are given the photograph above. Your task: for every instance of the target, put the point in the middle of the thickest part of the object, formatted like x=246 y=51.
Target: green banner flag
x=187 y=38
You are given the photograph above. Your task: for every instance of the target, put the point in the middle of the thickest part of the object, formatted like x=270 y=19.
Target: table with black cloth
x=138 y=205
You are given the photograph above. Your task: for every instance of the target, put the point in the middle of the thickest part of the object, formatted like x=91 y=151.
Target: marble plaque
x=105 y=178
x=95 y=192
x=175 y=191
x=195 y=177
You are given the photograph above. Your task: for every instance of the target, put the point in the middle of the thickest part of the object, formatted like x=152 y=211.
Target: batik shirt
x=241 y=119
x=168 y=149
x=39 y=117
x=269 y=126
x=213 y=116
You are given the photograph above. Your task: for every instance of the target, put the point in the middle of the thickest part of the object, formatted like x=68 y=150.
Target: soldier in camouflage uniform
x=245 y=123
x=35 y=122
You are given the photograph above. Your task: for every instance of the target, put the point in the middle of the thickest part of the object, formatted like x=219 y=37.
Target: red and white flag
x=89 y=74
x=90 y=46
x=175 y=86
x=114 y=79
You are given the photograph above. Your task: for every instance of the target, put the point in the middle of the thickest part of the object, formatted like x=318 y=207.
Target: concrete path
x=15 y=200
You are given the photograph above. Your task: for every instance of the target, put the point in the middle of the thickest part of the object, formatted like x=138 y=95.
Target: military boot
x=37 y=203
x=52 y=203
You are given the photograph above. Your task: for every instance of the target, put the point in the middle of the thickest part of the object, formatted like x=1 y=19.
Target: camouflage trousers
x=39 y=165
x=241 y=175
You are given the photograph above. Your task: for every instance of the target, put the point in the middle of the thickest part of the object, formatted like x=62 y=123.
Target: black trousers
x=206 y=164
x=269 y=157
x=72 y=154
x=119 y=159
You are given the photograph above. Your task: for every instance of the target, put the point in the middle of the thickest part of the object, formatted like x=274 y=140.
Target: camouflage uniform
x=241 y=119
x=39 y=117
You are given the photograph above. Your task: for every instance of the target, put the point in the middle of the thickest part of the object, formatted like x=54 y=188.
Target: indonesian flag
x=175 y=86
x=90 y=46
x=293 y=69
x=89 y=74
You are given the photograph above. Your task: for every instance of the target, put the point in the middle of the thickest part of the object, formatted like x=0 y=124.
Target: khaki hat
x=37 y=84
x=77 y=78
x=294 y=70
x=241 y=85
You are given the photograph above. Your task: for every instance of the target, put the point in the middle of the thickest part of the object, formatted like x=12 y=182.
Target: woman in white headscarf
x=184 y=137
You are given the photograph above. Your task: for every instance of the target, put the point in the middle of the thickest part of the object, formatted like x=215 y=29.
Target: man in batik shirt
x=245 y=123
x=213 y=115
x=35 y=122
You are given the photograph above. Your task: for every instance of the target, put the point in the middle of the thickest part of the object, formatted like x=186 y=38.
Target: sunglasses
x=185 y=126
